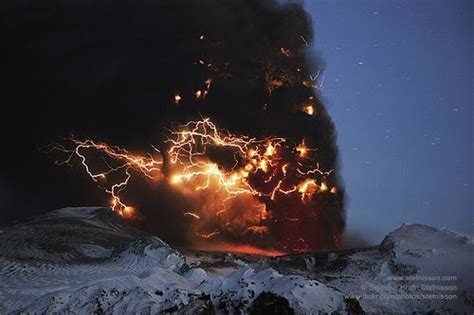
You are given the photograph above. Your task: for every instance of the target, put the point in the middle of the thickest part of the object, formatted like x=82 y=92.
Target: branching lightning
x=265 y=169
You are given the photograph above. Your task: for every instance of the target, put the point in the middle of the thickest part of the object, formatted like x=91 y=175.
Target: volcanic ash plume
x=222 y=142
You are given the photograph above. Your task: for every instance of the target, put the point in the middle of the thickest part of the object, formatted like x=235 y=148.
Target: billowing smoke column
x=222 y=141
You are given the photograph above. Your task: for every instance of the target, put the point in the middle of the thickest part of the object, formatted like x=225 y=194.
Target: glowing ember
x=302 y=149
x=128 y=212
x=177 y=99
x=309 y=109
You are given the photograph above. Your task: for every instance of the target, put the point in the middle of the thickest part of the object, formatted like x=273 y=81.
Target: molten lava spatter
x=260 y=192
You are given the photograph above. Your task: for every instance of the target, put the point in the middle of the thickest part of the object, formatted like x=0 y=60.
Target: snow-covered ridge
x=85 y=260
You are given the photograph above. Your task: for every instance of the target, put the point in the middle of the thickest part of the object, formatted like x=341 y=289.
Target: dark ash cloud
x=108 y=70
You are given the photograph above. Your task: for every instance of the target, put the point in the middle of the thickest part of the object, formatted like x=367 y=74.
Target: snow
x=405 y=268
x=85 y=260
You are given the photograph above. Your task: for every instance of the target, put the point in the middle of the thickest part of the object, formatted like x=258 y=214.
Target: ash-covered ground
x=89 y=260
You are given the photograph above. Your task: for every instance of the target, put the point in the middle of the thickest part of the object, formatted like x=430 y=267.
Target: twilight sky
x=398 y=84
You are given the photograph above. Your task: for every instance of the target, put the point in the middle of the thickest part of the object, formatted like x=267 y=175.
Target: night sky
x=398 y=84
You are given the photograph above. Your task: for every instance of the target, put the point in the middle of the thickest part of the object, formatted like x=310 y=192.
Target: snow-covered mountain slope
x=416 y=268
x=86 y=260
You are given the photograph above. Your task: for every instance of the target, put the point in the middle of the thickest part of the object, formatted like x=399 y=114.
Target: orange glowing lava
x=241 y=249
x=309 y=109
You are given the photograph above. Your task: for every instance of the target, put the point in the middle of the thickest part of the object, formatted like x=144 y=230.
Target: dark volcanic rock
x=270 y=303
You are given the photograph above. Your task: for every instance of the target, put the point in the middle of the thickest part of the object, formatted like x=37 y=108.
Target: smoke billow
x=112 y=71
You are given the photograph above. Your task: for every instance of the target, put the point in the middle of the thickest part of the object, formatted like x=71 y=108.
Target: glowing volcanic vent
x=259 y=172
